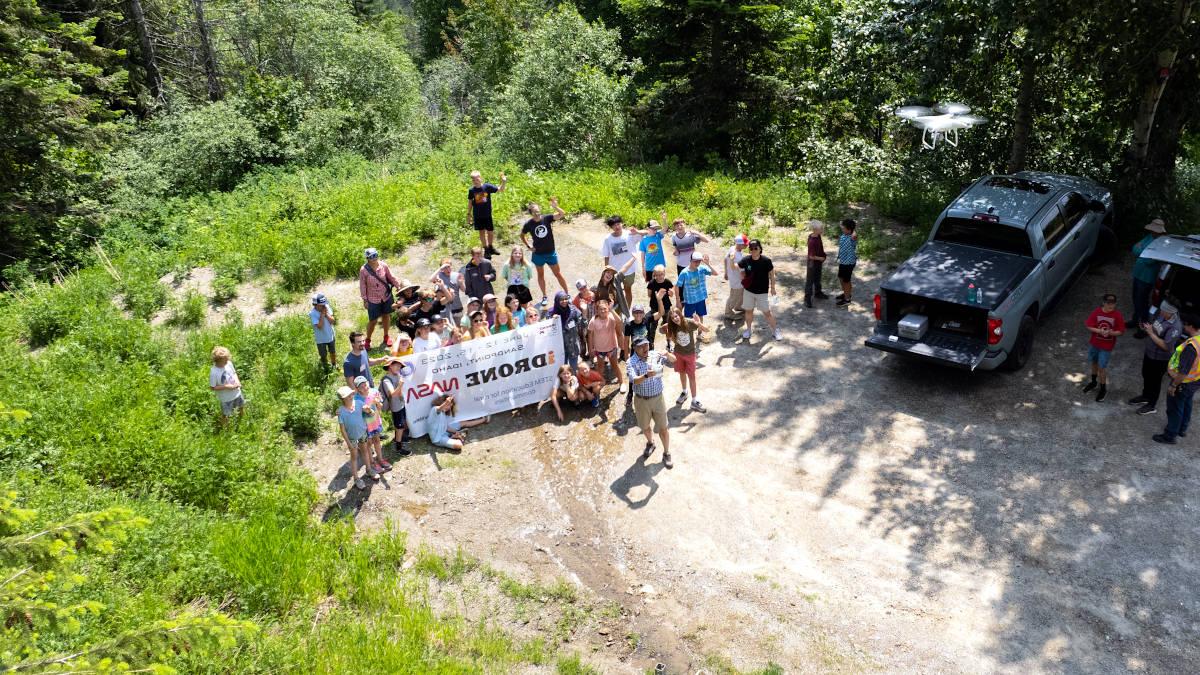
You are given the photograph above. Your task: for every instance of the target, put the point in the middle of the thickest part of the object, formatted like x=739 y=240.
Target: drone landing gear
x=929 y=139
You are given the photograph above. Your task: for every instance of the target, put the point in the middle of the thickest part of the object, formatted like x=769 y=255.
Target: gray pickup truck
x=997 y=259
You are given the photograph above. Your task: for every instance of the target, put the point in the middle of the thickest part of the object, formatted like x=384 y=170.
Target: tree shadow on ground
x=1065 y=499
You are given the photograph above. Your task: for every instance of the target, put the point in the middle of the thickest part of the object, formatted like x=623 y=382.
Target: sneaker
x=1163 y=438
x=698 y=407
x=667 y=461
x=621 y=389
x=387 y=340
x=682 y=398
x=808 y=304
x=403 y=451
x=373 y=473
x=1102 y=394
x=840 y=296
x=821 y=296
x=1090 y=386
x=385 y=465
x=596 y=403
x=842 y=302
x=778 y=336
x=544 y=301
x=648 y=451
x=367 y=345
x=1148 y=409
x=360 y=484
x=746 y=334
x=1137 y=400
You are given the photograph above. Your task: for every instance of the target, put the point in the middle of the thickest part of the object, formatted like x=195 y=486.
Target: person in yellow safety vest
x=1184 y=371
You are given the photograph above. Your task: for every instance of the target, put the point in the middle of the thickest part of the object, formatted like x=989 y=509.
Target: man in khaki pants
x=645 y=370
x=733 y=277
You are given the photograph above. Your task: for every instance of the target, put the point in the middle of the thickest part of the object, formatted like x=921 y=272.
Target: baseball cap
x=697 y=255
x=653 y=224
x=371 y=254
x=659 y=268
x=472 y=300
x=319 y=299
x=361 y=380
x=580 y=284
x=638 y=342
x=438 y=317
x=488 y=296
x=741 y=239
x=638 y=308
x=422 y=322
x=344 y=391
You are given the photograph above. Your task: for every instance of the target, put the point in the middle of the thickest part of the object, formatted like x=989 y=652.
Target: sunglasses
x=479 y=321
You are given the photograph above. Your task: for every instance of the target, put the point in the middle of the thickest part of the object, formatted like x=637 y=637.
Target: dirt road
x=837 y=509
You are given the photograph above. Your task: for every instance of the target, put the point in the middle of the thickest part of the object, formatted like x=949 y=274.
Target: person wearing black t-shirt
x=479 y=209
x=758 y=280
x=658 y=282
x=541 y=228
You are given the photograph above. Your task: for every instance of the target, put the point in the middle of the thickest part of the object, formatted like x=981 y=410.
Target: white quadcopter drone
x=940 y=123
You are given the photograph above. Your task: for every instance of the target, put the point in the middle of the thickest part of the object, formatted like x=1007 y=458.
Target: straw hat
x=1157 y=226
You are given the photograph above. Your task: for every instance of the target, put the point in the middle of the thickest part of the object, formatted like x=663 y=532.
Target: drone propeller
x=971 y=120
x=909 y=112
x=951 y=108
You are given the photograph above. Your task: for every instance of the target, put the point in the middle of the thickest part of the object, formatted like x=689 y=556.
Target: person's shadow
x=637 y=474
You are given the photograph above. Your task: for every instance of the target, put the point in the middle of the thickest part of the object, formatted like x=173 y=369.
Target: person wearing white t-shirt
x=733 y=276
x=223 y=380
x=620 y=252
x=426 y=339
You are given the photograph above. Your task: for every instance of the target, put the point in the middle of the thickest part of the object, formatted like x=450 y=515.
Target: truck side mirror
x=1097 y=206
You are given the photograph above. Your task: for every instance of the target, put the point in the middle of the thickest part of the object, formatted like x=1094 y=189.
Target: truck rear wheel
x=1023 y=347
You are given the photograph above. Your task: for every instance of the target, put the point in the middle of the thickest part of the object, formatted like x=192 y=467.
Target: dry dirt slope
x=836 y=509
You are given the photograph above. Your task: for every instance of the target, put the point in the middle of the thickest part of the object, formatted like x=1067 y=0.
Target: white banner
x=486 y=375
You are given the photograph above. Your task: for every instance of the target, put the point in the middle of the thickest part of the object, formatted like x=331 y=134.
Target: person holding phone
x=645 y=369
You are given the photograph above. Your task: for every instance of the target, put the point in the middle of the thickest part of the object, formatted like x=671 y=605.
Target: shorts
x=228 y=407
x=691 y=309
x=685 y=363
x=1099 y=356
x=650 y=409
x=758 y=301
x=844 y=272
x=521 y=292
x=627 y=280
x=540 y=259
x=325 y=348
x=603 y=356
x=376 y=433
x=399 y=420
x=484 y=224
x=378 y=309
x=356 y=442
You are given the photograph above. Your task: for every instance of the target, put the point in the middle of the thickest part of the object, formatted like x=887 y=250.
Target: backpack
x=387 y=400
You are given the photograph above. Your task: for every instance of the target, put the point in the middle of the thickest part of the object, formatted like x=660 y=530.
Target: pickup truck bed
x=942 y=271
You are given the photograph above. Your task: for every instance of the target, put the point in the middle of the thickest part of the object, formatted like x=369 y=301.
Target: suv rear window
x=982 y=234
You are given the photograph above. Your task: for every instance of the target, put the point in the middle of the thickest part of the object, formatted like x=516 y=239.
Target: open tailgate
x=943 y=349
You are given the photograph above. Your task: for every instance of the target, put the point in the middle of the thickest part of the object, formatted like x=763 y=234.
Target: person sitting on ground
x=371 y=404
x=590 y=382
x=354 y=432
x=567 y=388
x=392 y=392
x=223 y=380
x=605 y=340
x=682 y=331
x=426 y=340
x=444 y=432
x=321 y=318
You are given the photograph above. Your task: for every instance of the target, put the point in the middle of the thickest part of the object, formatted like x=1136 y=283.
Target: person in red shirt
x=816 y=260
x=1105 y=323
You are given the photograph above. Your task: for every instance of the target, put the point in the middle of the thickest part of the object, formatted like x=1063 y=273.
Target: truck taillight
x=995 y=330
x=878 y=302
x=1156 y=295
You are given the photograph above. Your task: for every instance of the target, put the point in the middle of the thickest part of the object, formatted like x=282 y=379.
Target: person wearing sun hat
x=321 y=318
x=375 y=284
x=1145 y=272
x=354 y=432
x=733 y=276
x=392 y=392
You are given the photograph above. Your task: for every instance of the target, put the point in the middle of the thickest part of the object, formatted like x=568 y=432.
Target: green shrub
x=277 y=296
x=190 y=310
x=301 y=414
x=224 y=289
x=564 y=102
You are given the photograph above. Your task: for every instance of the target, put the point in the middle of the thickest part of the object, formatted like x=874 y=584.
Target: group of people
x=602 y=325
x=1171 y=351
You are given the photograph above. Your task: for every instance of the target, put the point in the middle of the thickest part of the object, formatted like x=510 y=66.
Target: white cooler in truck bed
x=913 y=326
